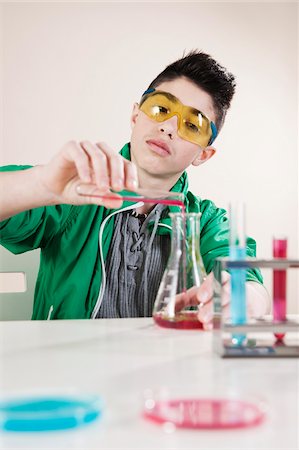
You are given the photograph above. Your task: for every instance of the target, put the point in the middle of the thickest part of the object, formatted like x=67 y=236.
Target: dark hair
x=206 y=73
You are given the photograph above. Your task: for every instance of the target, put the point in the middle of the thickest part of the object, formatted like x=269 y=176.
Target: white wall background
x=69 y=69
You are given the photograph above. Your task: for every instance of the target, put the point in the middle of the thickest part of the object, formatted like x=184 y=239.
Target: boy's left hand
x=203 y=296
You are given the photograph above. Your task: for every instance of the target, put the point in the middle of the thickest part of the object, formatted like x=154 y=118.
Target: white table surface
x=120 y=359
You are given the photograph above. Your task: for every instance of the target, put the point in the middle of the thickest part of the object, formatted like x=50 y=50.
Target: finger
x=117 y=172
x=205 y=314
x=131 y=176
x=92 y=194
x=206 y=290
x=115 y=166
x=207 y=321
x=197 y=295
x=75 y=155
x=185 y=299
x=205 y=296
x=98 y=163
x=107 y=203
x=208 y=326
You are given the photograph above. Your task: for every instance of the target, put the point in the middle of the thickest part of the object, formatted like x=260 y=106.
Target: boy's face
x=156 y=147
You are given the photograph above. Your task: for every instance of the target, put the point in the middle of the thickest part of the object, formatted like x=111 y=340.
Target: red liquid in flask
x=186 y=320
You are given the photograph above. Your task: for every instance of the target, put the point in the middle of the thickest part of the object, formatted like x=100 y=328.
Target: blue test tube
x=238 y=276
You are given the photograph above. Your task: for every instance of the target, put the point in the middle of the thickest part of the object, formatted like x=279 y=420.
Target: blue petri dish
x=48 y=413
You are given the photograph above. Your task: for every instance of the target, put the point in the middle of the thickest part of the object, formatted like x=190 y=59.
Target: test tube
x=169 y=198
x=238 y=276
x=279 y=284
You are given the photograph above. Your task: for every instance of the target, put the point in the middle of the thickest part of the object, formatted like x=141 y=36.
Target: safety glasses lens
x=192 y=126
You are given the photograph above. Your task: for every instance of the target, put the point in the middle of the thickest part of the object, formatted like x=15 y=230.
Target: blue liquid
x=48 y=413
x=238 y=294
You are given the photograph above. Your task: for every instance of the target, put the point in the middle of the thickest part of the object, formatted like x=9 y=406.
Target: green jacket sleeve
x=33 y=228
x=214 y=238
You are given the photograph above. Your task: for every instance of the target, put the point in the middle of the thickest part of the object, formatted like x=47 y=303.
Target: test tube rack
x=260 y=340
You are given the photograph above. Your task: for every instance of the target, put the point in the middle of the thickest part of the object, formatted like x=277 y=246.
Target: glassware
x=210 y=407
x=279 y=284
x=152 y=196
x=48 y=411
x=237 y=251
x=184 y=270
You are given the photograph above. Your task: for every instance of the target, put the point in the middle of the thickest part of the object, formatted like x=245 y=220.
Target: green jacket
x=74 y=242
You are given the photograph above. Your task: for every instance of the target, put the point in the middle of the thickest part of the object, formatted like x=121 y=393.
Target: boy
x=99 y=258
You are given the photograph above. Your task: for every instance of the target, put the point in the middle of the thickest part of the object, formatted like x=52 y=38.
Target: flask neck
x=186 y=248
x=186 y=231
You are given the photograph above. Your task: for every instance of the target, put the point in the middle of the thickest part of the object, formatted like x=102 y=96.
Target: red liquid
x=206 y=413
x=182 y=321
x=279 y=286
x=280 y=248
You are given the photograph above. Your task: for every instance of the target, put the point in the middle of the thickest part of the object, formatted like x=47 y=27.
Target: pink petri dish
x=205 y=413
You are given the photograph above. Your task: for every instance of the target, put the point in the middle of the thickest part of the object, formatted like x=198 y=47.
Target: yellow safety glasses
x=193 y=125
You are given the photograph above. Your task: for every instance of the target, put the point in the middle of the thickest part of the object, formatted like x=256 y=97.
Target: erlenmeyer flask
x=184 y=270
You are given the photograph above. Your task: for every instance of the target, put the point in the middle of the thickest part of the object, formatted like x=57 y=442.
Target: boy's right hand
x=86 y=163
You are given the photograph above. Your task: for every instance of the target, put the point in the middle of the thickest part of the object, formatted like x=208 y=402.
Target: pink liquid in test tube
x=279 y=285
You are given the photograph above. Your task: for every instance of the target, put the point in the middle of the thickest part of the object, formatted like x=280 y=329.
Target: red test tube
x=279 y=285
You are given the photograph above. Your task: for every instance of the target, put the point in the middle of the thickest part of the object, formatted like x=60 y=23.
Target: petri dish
x=205 y=413
x=48 y=413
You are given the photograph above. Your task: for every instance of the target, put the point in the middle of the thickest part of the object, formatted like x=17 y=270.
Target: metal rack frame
x=260 y=340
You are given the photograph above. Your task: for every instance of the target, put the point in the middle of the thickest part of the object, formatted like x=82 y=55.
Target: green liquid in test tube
x=238 y=275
